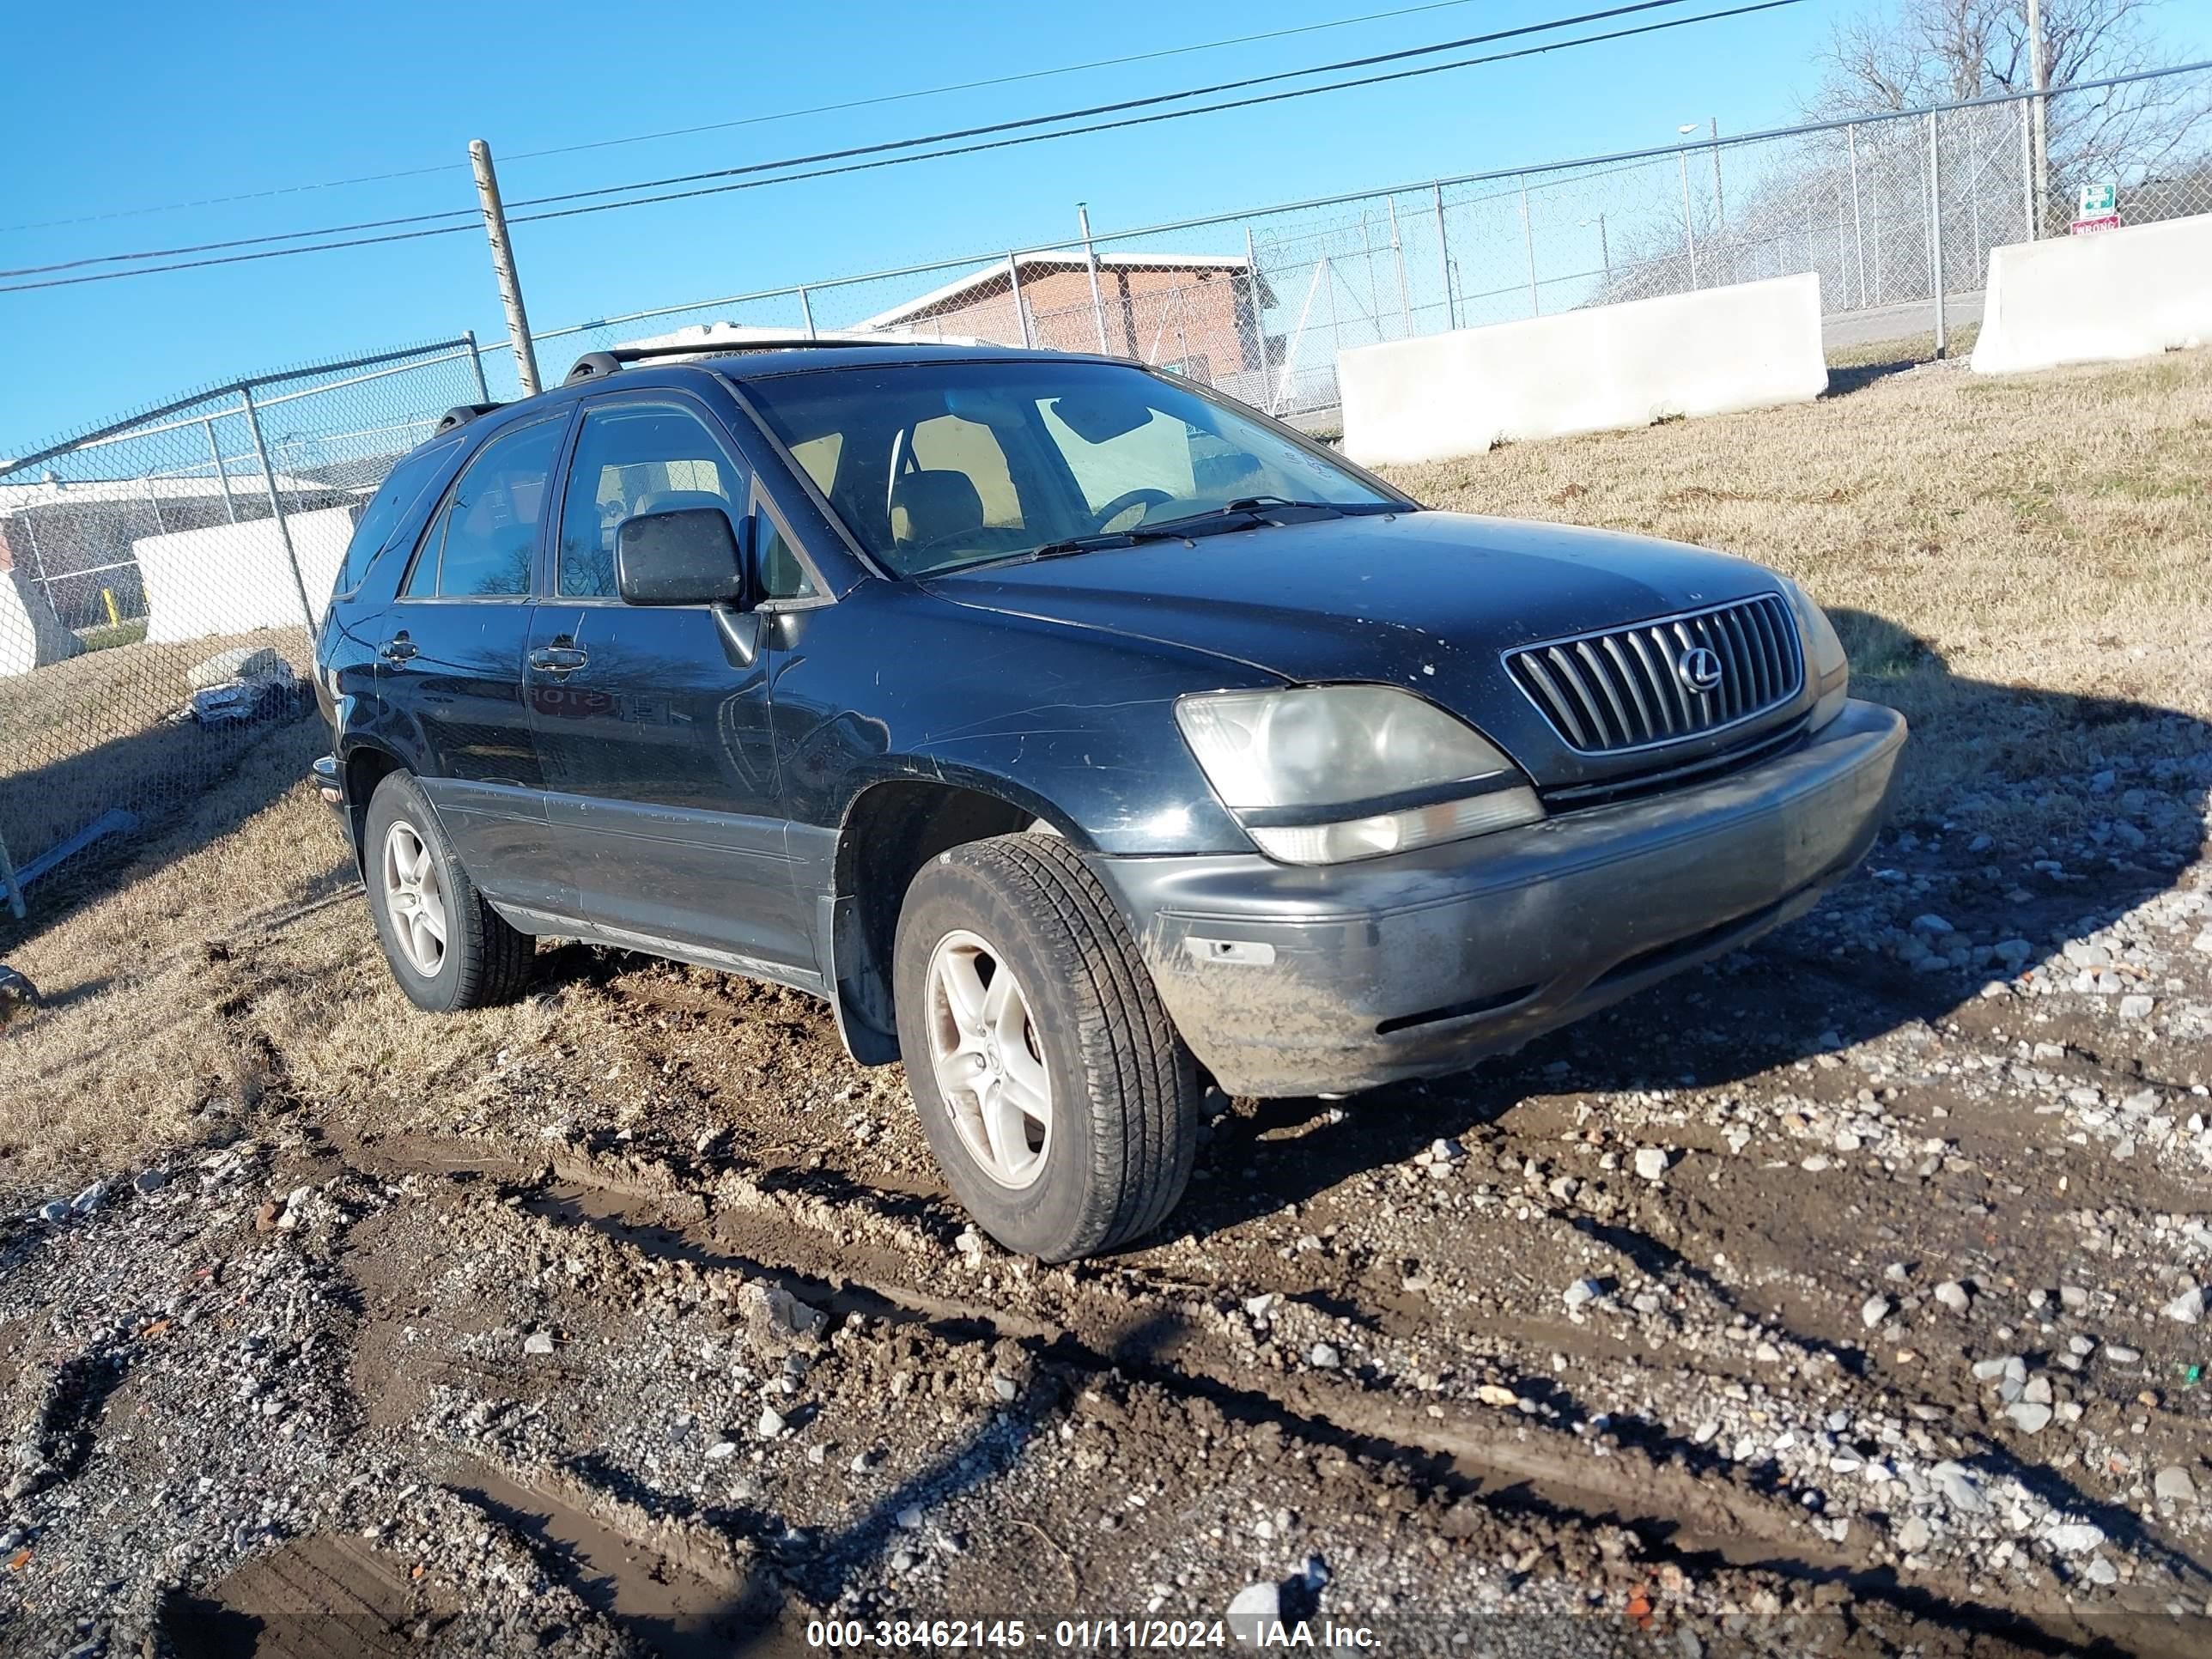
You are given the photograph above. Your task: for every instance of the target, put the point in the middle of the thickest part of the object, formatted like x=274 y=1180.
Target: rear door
x=451 y=673
x=654 y=742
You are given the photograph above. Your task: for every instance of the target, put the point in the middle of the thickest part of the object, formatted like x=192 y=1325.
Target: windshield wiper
x=1243 y=513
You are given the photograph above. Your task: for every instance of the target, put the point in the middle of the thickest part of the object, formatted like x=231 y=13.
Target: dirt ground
x=1846 y=1297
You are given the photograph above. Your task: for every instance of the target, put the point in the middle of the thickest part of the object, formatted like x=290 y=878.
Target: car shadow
x=2021 y=815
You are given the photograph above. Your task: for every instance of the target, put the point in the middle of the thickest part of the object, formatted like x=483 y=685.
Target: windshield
x=936 y=465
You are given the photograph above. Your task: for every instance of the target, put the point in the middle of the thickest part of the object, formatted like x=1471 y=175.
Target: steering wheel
x=1127 y=499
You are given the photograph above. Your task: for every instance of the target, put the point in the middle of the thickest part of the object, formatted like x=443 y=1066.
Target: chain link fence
x=159 y=577
x=1884 y=209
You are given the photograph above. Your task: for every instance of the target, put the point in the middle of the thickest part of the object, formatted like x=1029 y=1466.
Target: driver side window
x=632 y=459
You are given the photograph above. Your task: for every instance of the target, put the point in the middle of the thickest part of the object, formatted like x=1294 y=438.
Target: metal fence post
x=1021 y=311
x=1528 y=246
x=805 y=311
x=1858 y=223
x=1252 y=293
x=277 y=504
x=7 y=876
x=476 y=362
x=1444 y=259
x=222 y=471
x=1689 y=236
x=161 y=527
x=1935 y=227
x=1091 y=259
x=1398 y=259
x=38 y=559
x=2027 y=174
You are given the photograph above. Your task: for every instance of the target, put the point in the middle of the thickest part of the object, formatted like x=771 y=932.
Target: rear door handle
x=397 y=650
x=559 y=658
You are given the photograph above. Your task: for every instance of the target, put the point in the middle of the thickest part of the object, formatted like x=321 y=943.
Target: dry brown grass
x=2046 y=534
x=95 y=732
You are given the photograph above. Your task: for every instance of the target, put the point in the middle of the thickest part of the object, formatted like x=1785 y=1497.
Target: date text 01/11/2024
x=1084 y=1634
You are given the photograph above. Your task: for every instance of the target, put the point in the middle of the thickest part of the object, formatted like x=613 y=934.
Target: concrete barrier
x=2101 y=298
x=1712 y=352
x=233 y=577
x=31 y=634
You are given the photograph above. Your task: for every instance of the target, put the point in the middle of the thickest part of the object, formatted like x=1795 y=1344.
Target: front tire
x=1061 y=1103
x=448 y=949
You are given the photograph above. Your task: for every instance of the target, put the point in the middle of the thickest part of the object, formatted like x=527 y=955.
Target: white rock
x=1650 y=1163
x=1252 y=1610
x=2174 y=1484
x=1960 y=1488
x=721 y=1449
x=1953 y=1295
x=538 y=1342
x=771 y=1423
x=2187 y=1308
x=1582 y=1291
x=1325 y=1356
x=2029 y=1418
x=2136 y=1006
x=1875 y=1310
x=2075 y=1537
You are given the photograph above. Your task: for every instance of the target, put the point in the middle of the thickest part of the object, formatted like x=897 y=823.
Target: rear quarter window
x=390 y=515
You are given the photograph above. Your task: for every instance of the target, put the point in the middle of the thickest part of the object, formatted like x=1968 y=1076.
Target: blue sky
x=117 y=108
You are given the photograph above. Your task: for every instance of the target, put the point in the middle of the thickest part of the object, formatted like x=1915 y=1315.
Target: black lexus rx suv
x=1080 y=735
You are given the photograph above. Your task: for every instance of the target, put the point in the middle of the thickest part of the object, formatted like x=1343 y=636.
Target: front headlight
x=1322 y=773
x=1826 y=663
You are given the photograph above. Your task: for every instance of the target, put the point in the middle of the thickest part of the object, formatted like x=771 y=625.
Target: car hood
x=1425 y=600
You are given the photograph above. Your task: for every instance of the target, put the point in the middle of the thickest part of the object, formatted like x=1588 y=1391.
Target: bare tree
x=1914 y=53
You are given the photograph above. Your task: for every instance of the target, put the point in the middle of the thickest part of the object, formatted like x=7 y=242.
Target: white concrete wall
x=230 y=578
x=2101 y=298
x=1749 y=346
x=31 y=636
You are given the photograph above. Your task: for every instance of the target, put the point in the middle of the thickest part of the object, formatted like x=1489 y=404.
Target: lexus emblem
x=1699 y=669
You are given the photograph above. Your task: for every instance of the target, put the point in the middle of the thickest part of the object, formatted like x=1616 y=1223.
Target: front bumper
x=1287 y=979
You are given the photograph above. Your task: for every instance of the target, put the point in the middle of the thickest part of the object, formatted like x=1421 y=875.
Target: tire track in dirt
x=1698 y=1523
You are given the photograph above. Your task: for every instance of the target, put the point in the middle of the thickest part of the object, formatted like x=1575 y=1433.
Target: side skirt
x=545 y=925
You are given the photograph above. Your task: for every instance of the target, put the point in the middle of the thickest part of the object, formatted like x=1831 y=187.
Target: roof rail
x=460 y=415
x=597 y=365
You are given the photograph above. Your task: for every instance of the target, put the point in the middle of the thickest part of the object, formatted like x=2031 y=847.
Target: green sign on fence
x=2097 y=200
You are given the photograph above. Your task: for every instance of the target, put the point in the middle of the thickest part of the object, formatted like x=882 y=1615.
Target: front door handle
x=559 y=658
x=398 y=649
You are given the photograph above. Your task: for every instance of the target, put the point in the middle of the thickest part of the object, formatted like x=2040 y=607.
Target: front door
x=653 y=737
x=450 y=669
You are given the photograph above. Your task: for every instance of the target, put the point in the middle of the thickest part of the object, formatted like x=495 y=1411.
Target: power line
x=750 y=120
x=1368 y=62
x=906 y=159
x=885 y=147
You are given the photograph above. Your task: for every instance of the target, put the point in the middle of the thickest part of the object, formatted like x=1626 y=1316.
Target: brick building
x=1195 y=314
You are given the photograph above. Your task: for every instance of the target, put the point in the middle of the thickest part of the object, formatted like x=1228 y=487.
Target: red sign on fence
x=2101 y=221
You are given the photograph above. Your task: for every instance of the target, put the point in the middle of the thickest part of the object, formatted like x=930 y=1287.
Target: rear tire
x=448 y=949
x=1076 y=1027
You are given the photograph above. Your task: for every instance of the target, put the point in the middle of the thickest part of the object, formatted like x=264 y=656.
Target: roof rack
x=597 y=365
x=460 y=414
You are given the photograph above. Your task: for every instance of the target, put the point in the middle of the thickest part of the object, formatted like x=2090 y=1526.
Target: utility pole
x=2038 y=75
x=502 y=266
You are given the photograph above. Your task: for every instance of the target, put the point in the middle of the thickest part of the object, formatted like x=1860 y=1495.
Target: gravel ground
x=1844 y=1297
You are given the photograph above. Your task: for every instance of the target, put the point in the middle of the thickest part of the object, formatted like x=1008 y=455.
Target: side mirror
x=686 y=556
